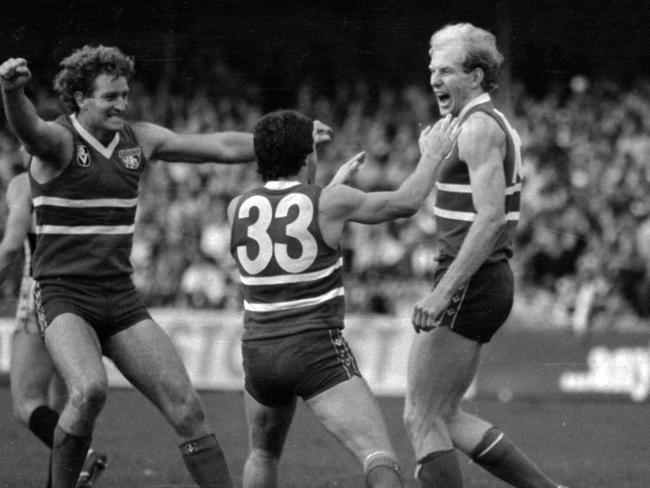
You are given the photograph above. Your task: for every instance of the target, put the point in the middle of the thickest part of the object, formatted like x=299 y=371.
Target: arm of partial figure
x=219 y=147
x=40 y=138
x=482 y=146
x=17 y=226
x=374 y=207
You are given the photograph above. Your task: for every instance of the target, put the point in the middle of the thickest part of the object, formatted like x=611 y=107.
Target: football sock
x=382 y=471
x=502 y=458
x=42 y=422
x=206 y=462
x=68 y=456
x=439 y=470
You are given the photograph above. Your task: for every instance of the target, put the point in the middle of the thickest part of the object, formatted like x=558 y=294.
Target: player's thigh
x=31 y=368
x=268 y=426
x=351 y=413
x=76 y=352
x=441 y=367
x=146 y=356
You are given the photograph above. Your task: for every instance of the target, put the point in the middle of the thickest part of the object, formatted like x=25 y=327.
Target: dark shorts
x=304 y=365
x=109 y=306
x=480 y=307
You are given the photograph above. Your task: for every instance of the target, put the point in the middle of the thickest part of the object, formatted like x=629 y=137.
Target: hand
x=439 y=140
x=427 y=313
x=14 y=74
x=348 y=169
x=322 y=133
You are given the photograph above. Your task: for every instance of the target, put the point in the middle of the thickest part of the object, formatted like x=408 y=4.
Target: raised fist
x=14 y=74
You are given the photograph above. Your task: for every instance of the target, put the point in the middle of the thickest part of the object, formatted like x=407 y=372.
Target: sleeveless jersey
x=25 y=308
x=291 y=279
x=85 y=217
x=454 y=209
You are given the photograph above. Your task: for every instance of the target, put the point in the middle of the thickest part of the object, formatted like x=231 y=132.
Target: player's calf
x=496 y=454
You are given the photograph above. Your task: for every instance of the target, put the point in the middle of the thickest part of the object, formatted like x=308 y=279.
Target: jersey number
x=298 y=229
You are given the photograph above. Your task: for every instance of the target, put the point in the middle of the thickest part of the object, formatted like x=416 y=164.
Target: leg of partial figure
x=268 y=428
x=351 y=413
x=440 y=369
x=75 y=350
x=145 y=355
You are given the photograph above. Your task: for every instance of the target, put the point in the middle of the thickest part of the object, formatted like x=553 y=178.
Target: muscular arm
x=222 y=147
x=49 y=141
x=18 y=221
x=482 y=145
x=340 y=203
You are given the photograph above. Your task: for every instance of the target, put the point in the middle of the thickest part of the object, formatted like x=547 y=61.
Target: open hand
x=438 y=140
x=349 y=169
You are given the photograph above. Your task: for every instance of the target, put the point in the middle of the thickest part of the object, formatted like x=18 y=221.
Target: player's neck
x=105 y=136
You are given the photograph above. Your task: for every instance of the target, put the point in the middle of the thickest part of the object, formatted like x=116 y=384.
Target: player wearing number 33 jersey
x=291 y=279
x=286 y=242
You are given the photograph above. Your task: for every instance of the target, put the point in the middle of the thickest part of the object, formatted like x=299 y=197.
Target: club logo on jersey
x=83 y=156
x=130 y=157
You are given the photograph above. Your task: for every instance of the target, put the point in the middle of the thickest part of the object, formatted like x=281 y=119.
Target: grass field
x=585 y=445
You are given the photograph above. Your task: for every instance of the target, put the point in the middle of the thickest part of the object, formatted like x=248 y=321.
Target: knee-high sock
x=206 y=462
x=42 y=422
x=439 y=470
x=502 y=458
x=68 y=456
x=382 y=471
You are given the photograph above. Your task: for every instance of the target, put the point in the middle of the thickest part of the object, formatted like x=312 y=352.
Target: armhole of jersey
x=128 y=130
x=319 y=190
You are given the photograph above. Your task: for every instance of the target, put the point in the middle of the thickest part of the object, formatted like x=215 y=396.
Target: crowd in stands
x=583 y=243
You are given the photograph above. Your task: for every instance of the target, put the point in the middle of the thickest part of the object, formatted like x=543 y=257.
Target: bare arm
x=47 y=140
x=222 y=147
x=338 y=200
x=18 y=221
x=482 y=145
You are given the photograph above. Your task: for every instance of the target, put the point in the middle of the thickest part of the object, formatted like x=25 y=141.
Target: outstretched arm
x=482 y=145
x=370 y=208
x=220 y=147
x=47 y=140
x=18 y=221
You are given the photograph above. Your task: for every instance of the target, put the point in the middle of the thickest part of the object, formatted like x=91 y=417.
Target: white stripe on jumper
x=304 y=302
x=459 y=188
x=466 y=216
x=86 y=203
x=294 y=278
x=85 y=229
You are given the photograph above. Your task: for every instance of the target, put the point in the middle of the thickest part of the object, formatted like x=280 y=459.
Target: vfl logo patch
x=83 y=156
x=130 y=157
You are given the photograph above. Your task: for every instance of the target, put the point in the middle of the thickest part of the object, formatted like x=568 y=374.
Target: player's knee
x=90 y=396
x=187 y=415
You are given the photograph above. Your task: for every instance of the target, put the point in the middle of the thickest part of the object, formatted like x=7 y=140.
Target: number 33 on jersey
x=291 y=279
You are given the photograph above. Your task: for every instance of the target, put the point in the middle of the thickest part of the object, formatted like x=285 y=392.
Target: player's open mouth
x=443 y=99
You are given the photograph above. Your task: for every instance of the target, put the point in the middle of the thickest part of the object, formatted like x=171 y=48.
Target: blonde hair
x=480 y=50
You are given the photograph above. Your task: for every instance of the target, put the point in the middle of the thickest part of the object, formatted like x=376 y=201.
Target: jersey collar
x=482 y=98
x=280 y=184
x=106 y=151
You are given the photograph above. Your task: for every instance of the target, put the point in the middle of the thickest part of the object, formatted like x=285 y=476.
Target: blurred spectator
x=583 y=241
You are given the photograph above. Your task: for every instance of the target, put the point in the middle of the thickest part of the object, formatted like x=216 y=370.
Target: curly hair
x=84 y=65
x=480 y=50
x=282 y=141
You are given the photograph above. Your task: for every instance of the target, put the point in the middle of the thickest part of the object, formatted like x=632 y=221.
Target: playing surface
x=585 y=445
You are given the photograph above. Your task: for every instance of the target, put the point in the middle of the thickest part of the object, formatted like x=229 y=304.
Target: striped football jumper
x=454 y=209
x=85 y=217
x=291 y=279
